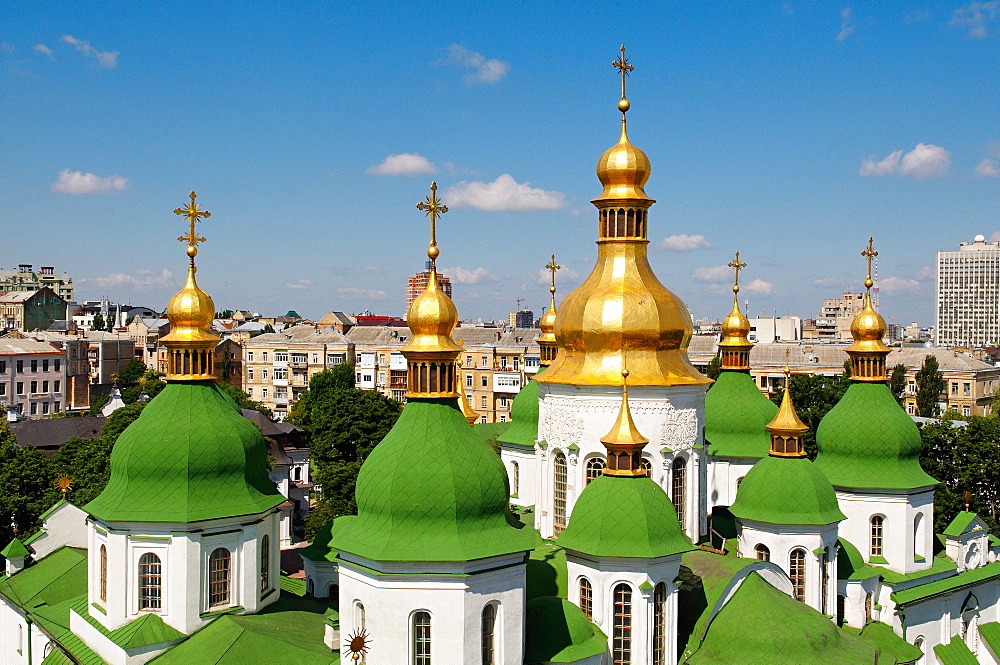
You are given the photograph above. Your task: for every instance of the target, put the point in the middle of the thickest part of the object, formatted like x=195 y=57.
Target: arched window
x=919 y=643
x=972 y=556
x=359 y=616
x=559 y=493
x=587 y=598
x=265 y=563
x=876 y=535
x=104 y=574
x=150 y=582
x=797 y=573
x=660 y=624
x=218 y=577
x=621 y=650
x=678 y=486
x=489 y=634
x=20 y=638
x=647 y=466
x=918 y=538
x=761 y=552
x=824 y=573
x=515 y=478
x=595 y=467
x=421 y=638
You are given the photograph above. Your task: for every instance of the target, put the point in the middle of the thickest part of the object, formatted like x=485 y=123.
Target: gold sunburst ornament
x=64 y=484
x=357 y=644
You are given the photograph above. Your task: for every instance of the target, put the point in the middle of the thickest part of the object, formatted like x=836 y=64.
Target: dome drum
x=868 y=366
x=194 y=362
x=618 y=224
x=736 y=359
x=430 y=376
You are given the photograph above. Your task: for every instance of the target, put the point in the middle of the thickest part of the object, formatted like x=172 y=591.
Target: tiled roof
x=18 y=347
x=53 y=432
x=297 y=335
x=559 y=632
x=468 y=337
x=955 y=652
x=735 y=415
x=786 y=490
x=966 y=578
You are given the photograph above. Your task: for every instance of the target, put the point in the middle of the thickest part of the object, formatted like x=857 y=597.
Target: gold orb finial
x=64 y=485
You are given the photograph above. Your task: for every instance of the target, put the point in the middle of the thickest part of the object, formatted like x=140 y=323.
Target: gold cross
x=869 y=254
x=623 y=68
x=434 y=208
x=192 y=212
x=552 y=267
x=736 y=265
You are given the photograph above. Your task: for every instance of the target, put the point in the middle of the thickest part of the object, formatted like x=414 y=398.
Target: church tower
x=621 y=307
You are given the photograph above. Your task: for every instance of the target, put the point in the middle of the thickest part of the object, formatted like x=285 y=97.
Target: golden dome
x=735 y=327
x=868 y=327
x=432 y=318
x=787 y=422
x=623 y=169
x=547 y=324
x=868 y=352
x=190 y=311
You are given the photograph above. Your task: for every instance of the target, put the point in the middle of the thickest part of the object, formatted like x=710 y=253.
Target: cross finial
x=623 y=68
x=552 y=267
x=736 y=266
x=788 y=370
x=433 y=208
x=193 y=213
x=869 y=254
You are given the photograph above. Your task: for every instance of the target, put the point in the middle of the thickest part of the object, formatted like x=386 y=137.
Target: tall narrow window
x=515 y=477
x=489 y=634
x=218 y=577
x=104 y=574
x=265 y=563
x=678 y=487
x=868 y=608
x=587 y=598
x=595 y=467
x=150 y=582
x=559 y=493
x=660 y=624
x=841 y=609
x=647 y=466
x=421 y=638
x=824 y=572
x=797 y=573
x=876 y=542
x=621 y=650
x=918 y=538
x=762 y=553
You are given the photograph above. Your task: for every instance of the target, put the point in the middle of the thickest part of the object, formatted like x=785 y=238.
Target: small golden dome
x=191 y=308
x=432 y=318
x=623 y=169
x=624 y=433
x=868 y=325
x=547 y=324
x=787 y=422
x=735 y=328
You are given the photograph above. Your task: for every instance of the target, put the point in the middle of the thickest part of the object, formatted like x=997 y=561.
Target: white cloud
x=975 y=16
x=925 y=273
x=44 y=50
x=486 y=70
x=465 y=276
x=563 y=274
x=298 y=284
x=148 y=279
x=78 y=182
x=846 y=24
x=925 y=161
x=366 y=293
x=827 y=282
x=988 y=168
x=503 y=195
x=108 y=59
x=758 y=286
x=405 y=163
x=716 y=274
x=894 y=285
x=682 y=242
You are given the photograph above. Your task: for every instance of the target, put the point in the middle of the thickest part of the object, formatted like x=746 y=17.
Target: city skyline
x=790 y=132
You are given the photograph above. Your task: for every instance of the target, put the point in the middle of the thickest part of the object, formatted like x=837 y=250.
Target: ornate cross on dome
x=552 y=267
x=433 y=208
x=869 y=254
x=736 y=266
x=623 y=68
x=193 y=213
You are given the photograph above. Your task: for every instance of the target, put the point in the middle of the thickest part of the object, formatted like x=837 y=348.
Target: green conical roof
x=15 y=548
x=190 y=456
x=868 y=441
x=524 y=416
x=433 y=490
x=786 y=490
x=624 y=516
x=736 y=412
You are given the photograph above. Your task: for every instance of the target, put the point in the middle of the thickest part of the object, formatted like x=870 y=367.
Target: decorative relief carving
x=561 y=426
x=679 y=431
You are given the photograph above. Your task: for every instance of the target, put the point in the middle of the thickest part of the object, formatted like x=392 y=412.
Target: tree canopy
x=814 y=395
x=930 y=385
x=897 y=382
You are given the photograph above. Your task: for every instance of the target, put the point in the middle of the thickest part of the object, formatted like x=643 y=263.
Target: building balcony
x=280 y=382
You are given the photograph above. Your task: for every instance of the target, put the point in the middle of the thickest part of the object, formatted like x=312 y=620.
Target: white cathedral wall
x=454 y=594
x=937 y=620
x=572 y=420
x=724 y=474
x=903 y=538
x=527 y=473
x=66 y=525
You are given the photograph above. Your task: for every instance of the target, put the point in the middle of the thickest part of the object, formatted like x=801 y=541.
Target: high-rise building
x=418 y=284
x=522 y=319
x=968 y=295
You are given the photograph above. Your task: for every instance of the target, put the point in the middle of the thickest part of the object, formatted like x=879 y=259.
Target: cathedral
x=638 y=512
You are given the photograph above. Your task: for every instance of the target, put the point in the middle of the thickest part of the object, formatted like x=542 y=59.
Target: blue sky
x=790 y=131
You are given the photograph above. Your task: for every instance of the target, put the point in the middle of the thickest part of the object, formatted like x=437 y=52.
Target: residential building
x=418 y=284
x=106 y=353
x=26 y=311
x=834 y=320
x=26 y=279
x=769 y=329
x=32 y=377
x=146 y=333
x=229 y=363
x=75 y=351
x=968 y=295
x=335 y=321
x=524 y=318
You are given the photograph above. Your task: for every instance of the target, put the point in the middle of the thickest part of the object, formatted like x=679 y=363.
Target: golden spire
x=734 y=348
x=624 y=442
x=190 y=342
x=547 y=324
x=432 y=318
x=868 y=352
x=787 y=428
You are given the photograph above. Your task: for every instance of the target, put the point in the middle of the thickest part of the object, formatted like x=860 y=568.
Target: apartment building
x=146 y=333
x=834 y=321
x=418 y=284
x=968 y=296
x=26 y=279
x=32 y=377
x=26 y=311
x=277 y=366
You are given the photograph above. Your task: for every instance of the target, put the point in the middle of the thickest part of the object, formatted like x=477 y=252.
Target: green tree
x=714 y=368
x=243 y=400
x=98 y=403
x=87 y=462
x=153 y=387
x=132 y=372
x=224 y=314
x=98 y=322
x=26 y=486
x=897 y=382
x=930 y=385
x=268 y=328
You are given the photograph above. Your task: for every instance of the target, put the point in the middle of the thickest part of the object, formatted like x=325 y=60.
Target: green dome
x=623 y=516
x=524 y=416
x=190 y=456
x=433 y=490
x=868 y=441
x=736 y=412
x=559 y=632
x=319 y=549
x=786 y=490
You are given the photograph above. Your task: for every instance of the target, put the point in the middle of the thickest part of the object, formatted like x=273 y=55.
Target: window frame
x=220 y=578
x=150 y=571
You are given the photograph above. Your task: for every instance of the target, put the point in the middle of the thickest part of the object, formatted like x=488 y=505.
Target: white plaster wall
x=11 y=620
x=938 y=619
x=64 y=526
x=723 y=474
x=899 y=510
x=322 y=574
x=854 y=592
x=527 y=463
